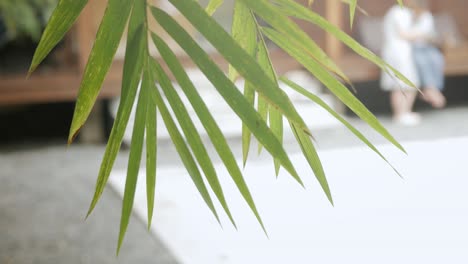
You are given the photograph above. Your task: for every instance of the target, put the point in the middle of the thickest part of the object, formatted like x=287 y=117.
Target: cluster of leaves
x=25 y=18
x=248 y=56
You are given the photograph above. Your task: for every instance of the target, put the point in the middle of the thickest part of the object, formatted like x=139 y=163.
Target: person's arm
x=423 y=30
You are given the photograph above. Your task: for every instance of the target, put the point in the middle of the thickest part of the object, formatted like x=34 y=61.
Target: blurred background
x=45 y=186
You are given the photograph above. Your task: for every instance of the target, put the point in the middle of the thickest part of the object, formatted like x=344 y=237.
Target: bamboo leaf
x=131 y=77
x=244 y=32
x=358 y=8
x=278 y=20
x=228 y=90
x=246 y=65
x=191 y=134
x=61 y=20
x=106 y=44
x=263 y=108
x=137 y=19
x=322 y=104
x=151 y=146
x=352 y=11
x=208 y=122
x=183 y=151
x=331 y=83
x=136 y=147
x=294 y=9
x=311 y=155
x=276 y=118
x=213 y=6
x=249 y=93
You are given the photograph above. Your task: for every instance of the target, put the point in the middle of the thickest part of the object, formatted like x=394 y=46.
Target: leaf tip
x=117 y=252
x=150 y=220
x=32 y=67
x=90 y=210
x=73 y=134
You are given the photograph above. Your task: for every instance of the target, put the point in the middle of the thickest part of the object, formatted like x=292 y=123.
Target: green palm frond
x=248 y=56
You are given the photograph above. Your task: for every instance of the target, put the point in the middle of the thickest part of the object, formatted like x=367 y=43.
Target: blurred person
x=428 y=59
x=397 y=51
x=410 y=47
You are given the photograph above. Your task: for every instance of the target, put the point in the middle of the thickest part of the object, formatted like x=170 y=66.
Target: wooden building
x=62 y=83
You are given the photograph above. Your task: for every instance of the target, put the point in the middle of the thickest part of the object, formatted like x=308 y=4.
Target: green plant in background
x=248 y=56
x=25 y=18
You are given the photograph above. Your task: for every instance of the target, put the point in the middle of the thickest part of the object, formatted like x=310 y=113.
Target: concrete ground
x=45 y=191
x=44 y=195
x=377 y=218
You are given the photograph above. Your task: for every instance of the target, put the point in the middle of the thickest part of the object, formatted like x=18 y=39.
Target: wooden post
x=334 y=13
x=86 y=29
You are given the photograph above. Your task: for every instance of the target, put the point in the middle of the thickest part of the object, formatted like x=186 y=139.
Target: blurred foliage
x=24 y=18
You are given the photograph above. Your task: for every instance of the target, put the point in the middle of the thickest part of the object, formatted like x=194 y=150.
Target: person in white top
x=403 y=30
x=428 y=59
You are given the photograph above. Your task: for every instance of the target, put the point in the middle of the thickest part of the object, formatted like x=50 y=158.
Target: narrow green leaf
x=276 y=118
x=61 y=20
x=358 y=8
x=352 y=11
x=244 y=32
x=213 y=6
x=331 y=83
x=191 y=134
x=313 y=159
x=278 y=20
x=246 y=65
x=183 y=151
x=106 y=44
x=151 y=146
x=322 y=104
x=208 y=122
x=263 y=108
x=294 y=9
x=249 y=93
x=136 y=148
x=228 y=90
x=132 y=70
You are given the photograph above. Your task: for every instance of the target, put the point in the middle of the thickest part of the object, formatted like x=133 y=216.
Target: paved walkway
x=45 y=191
x=378 y=217
x=44 y=195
